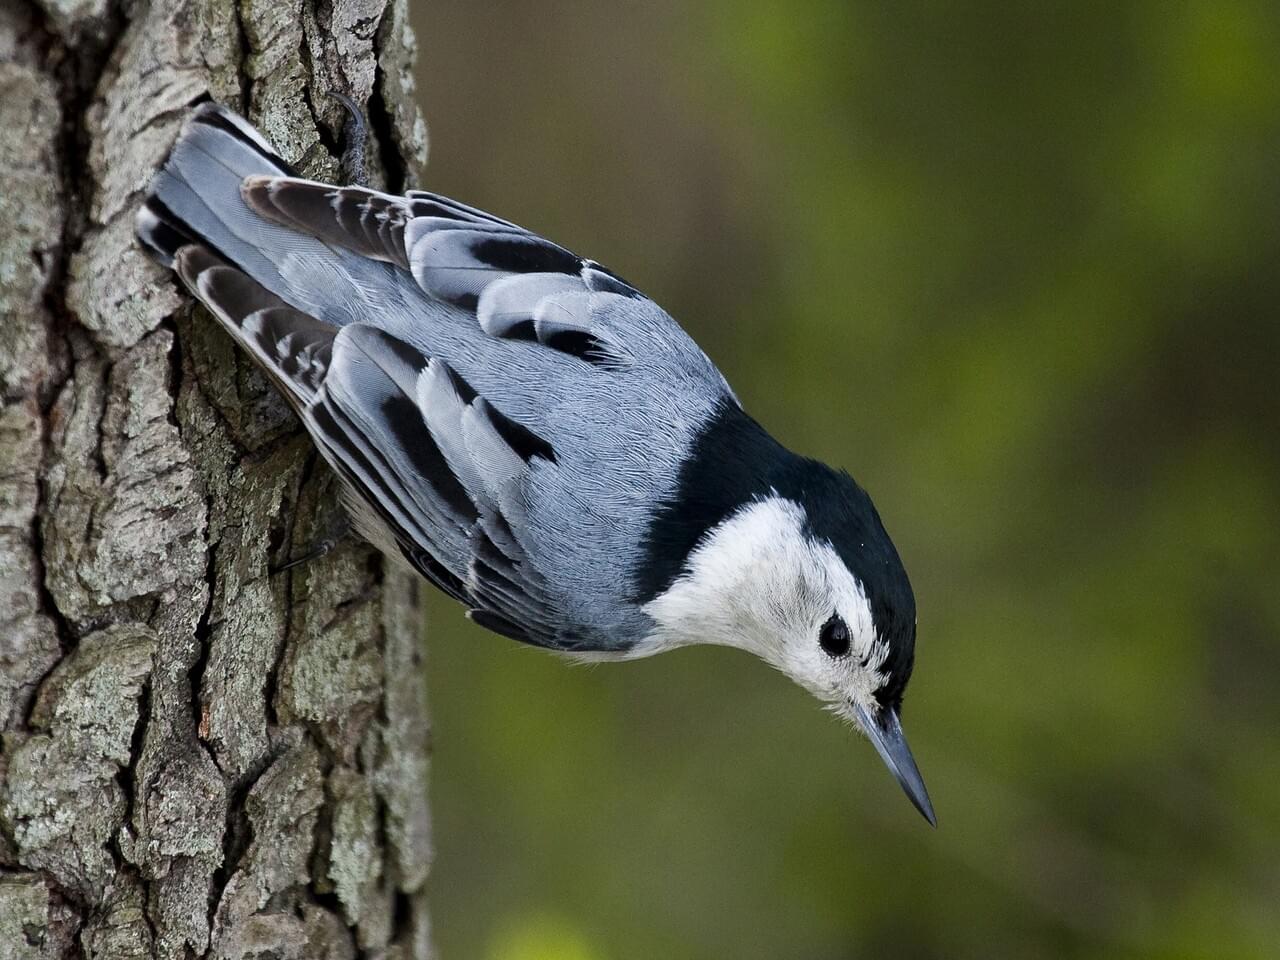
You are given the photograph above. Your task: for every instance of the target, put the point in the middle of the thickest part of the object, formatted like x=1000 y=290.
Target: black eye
x=834 y=637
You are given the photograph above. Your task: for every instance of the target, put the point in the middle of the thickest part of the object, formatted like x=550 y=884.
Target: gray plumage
x=357 y=303
x=532 y=434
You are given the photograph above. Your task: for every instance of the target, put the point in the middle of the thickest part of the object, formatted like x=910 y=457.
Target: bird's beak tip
x=885 y=733
x=926 y=811
x=920 y=800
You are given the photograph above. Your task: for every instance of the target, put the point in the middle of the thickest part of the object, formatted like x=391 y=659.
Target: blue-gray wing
x=433 y=473
x=506 y=415
x=563 y=347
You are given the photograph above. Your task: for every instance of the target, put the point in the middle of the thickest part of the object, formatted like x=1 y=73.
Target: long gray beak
x=885 y=731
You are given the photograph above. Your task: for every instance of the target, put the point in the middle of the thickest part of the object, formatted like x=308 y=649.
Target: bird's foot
x=355 y=134
x=338 y=530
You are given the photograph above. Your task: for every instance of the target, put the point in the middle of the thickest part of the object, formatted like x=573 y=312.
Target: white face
x=760 y=584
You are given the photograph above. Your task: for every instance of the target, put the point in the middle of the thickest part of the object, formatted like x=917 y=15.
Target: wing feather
x=291 y=346
x=445 y=479
x=518 y=284
x=432 y=472
x=306 y=276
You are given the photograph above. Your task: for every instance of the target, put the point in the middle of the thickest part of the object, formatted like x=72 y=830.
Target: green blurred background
x=1015 y=266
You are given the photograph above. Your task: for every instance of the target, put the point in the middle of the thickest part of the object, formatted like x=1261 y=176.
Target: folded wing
x=437 y=355
x=434 y=473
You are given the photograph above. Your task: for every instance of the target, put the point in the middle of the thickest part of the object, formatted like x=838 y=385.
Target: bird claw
x=337 y=532
x=355 y=134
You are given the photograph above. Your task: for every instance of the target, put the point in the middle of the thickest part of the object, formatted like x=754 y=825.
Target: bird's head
x=811 y=583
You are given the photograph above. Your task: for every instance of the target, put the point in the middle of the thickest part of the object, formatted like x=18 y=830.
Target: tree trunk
x=202 y=757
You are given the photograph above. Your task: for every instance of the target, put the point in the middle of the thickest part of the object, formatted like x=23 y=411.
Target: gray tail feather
x=195 y=222
x=161 y=232
x=196 y=198
x=191 y=199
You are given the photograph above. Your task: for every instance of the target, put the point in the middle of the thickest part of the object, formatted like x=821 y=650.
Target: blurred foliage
x=1015 y=266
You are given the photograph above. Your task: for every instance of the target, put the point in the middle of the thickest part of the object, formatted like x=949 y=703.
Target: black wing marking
x=296 y=349
x=442 y=471
x=432 y=472
x=520 y=285
x=359 y=392
x=364 y=221
x=293 y=347
x=501 y=580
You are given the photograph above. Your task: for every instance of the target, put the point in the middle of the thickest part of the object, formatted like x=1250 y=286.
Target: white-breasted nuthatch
x=532 y=434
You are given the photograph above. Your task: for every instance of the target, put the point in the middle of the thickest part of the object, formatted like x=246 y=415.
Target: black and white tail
x=195 y=221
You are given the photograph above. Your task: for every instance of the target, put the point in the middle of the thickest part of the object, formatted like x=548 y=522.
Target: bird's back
x=509 y=416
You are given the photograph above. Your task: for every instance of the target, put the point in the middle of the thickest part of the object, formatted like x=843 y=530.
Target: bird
x=532 y=434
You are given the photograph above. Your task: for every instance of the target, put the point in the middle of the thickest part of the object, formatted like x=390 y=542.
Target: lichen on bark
x=202 y=754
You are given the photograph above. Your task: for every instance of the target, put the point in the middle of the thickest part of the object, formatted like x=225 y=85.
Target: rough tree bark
x=201 y=757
